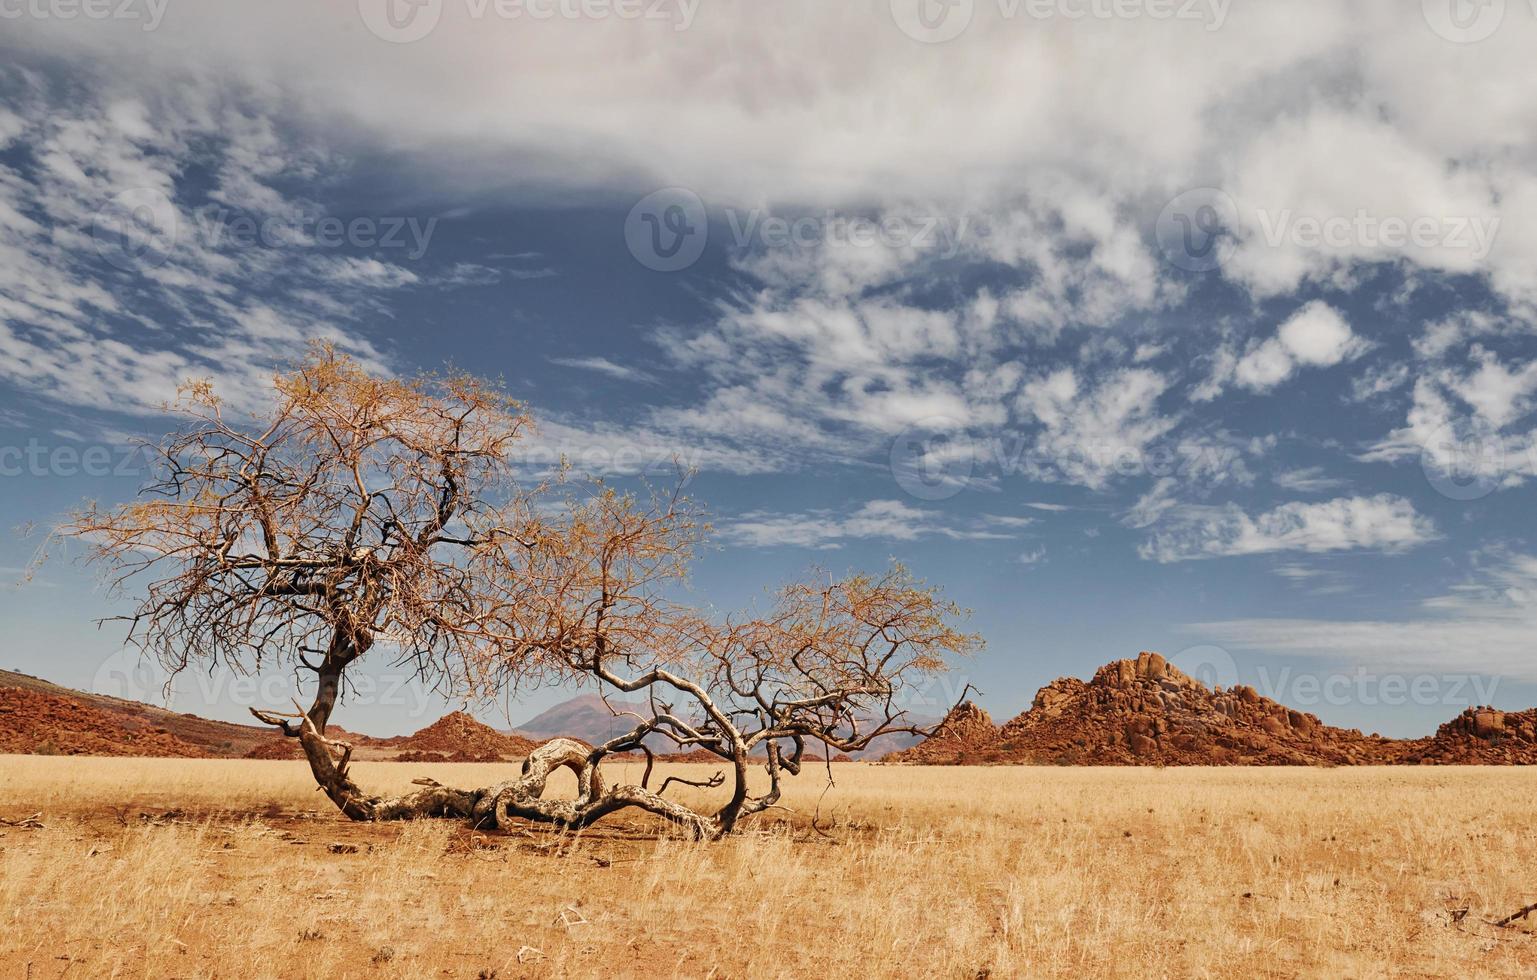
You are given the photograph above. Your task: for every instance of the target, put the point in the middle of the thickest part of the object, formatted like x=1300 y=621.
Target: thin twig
x=716 y=780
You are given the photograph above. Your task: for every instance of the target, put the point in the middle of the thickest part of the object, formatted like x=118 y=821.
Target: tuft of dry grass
x=218 y=868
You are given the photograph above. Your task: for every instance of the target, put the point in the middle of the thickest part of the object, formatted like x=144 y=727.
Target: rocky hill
x=1131 y=712
x=967 y=734
x=1480 y=737
x=457 y=737
x=1147 y=712
x=40 y=717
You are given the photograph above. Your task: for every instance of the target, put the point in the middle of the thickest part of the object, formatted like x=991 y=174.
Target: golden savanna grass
x=1001 y=872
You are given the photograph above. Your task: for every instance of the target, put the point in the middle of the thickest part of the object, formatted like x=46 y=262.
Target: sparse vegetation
x=953 y=872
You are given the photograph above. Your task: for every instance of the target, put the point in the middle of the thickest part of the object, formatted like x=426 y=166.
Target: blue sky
x=1209 y=333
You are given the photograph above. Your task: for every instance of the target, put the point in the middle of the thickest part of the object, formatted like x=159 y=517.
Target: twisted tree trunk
x=493 y=807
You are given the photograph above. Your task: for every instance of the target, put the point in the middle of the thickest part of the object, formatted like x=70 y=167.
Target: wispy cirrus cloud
x=1484 y=625
x=602 y=365
x=1381 y=522
x=889 y=520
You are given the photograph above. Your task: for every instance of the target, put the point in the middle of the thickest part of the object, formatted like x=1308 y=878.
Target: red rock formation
x=460 y=737
x=48 y=724
x=966 y=735
x=1147 y=712
x=1480 y=737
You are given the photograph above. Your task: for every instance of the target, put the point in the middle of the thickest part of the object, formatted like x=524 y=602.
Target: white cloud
x=113 y=290
x=1378 y=380
x=1071 y=168
x=1308 y=479
x=1315 y=336
x=1297 y=573
x=1152 y=505
x=1379 y=523
x=1484 y=626
x=1498 y=393
x=602 y=449
x=878 y=519
x=1090 y=429
x=837 y=347
x=602 y=365
x=1305 y=217
x=1469 y=417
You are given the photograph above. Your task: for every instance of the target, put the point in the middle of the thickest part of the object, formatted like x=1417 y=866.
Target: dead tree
x=831 y=667
x=361 y=513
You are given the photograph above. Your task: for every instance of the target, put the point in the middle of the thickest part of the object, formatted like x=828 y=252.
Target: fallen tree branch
x=34 y=822
x=1520 y=913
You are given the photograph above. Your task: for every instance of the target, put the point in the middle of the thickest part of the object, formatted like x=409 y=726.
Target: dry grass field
x=172 y=868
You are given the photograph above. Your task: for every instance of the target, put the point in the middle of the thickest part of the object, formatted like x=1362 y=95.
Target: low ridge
x=1142 y=711
x=1147 y=712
